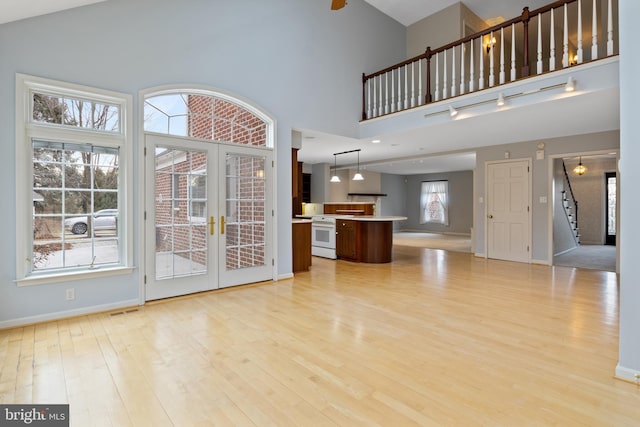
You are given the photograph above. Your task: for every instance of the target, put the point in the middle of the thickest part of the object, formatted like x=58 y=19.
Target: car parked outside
x=105 y=219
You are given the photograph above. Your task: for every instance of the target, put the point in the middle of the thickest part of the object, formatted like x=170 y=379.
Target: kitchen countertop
x=301 y=220
x=371 y=217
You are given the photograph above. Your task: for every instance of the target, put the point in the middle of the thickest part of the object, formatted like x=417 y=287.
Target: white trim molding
x=627 y=374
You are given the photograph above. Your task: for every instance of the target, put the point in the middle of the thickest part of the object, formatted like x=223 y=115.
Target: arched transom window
x=211 y=117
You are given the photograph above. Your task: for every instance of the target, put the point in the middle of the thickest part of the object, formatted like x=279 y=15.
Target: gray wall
x=629 y=361
x=460 y=202
x=282 y=55
x=540 y=181
x=395 y=202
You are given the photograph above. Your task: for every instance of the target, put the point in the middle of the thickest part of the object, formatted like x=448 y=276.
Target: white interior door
x=508 y=211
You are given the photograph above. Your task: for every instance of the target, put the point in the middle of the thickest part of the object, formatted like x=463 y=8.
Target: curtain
x=434 y=202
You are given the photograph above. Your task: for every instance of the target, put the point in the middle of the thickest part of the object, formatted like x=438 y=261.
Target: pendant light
x=335 y=177
x=358 y=176
x=580 y=169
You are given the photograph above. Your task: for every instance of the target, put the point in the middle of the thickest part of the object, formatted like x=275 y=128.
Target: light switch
x=480 y=199
x=543 y=199
x=539 y=154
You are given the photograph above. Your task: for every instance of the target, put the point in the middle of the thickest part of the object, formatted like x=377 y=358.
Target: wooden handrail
x=524 y=17
x=375 y=109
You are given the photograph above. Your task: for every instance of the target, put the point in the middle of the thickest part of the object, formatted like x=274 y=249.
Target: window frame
x=28 y=130
x=424 y=203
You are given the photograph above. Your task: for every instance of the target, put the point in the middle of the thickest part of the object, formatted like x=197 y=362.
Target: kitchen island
x=365 y=238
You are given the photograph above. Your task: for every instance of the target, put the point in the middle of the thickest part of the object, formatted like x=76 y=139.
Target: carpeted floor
x=595 y=257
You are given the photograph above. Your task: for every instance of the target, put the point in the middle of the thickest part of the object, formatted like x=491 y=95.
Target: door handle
x=490 y=216
x=212 y=223
x=222 y=224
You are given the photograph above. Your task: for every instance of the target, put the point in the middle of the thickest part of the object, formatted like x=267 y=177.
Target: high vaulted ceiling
x=404 y=11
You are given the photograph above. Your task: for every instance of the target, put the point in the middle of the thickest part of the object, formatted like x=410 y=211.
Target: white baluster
x=539 y=44
x=380 y=109
x=481 y=73
x=552 y=45
x=565 y=40
x=472 y=76
x=609 y=29
x=444 y=76
x=386 y=93
x=501 y=56
x=393 y=91
x=420 y=97
x=406 y=89
x=453 y=71
x=579 y=51
x=492 y=77
x=413 y=85
x=368 y=98
x=462 y=69
x=513 y=52
x=399 y=89
x=375 y=99
x=594 y=33
x=436 y=94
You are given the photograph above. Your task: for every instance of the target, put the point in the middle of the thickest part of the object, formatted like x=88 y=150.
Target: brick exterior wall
x=222 y=121
x=219 y=120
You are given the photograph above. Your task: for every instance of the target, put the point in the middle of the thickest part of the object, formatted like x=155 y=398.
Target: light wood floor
x=434 y=338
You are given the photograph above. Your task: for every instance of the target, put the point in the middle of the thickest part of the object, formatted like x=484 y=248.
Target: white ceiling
x=409 y=11
x=14 y=10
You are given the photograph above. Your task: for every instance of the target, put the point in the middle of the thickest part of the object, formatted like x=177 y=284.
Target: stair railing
x=573 y=200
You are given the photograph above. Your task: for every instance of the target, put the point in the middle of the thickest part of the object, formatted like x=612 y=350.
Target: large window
x=72 y=203
x=434 y=202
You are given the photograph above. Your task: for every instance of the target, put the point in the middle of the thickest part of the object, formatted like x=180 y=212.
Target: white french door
x=508 y=211
x=208 y=216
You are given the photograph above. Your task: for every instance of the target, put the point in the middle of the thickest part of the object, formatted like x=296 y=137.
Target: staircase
x=570 y=205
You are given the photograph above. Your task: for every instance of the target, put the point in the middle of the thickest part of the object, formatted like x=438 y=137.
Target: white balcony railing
x=567 y=33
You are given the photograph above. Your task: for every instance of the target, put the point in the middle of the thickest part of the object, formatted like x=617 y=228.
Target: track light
x=452 y=111
x=571 y=85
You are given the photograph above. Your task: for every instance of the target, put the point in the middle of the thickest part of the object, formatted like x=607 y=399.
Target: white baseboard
x=627 y=374
x=540 y=261
x=285 y=276
x=66 y=314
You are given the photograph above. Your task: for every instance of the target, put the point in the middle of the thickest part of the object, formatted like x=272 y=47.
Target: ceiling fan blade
x=338 y=4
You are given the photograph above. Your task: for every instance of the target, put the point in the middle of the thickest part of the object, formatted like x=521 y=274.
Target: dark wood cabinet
x=348 y=239
x=364 y=241
x=296 y=183
x=349 y=208
x=301 y=245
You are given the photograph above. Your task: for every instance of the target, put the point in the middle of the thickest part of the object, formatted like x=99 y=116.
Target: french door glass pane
x=180 y=212
x=245 y=211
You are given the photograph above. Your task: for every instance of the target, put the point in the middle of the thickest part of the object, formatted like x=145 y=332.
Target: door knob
x=490 y=216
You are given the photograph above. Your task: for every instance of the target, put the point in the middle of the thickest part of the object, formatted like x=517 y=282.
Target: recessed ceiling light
x=375 y=141
x=394 y=145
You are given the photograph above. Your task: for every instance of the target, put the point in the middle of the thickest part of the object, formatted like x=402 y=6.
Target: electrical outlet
x=71 y=294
